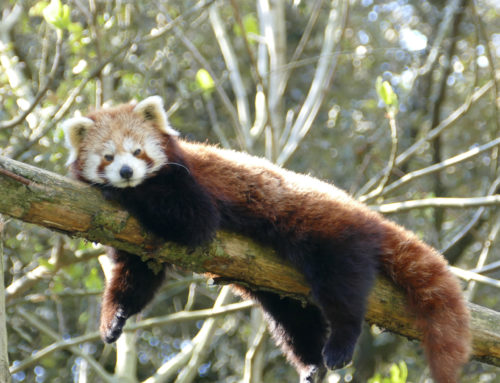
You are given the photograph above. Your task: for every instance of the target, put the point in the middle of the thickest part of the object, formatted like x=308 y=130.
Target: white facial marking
x=74 y=131
x=138 y=166
x=129 y=145
x=91 y=168
x=155 y=152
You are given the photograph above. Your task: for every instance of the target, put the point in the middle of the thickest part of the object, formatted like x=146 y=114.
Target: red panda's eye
x=109 y=157
x=137 y=152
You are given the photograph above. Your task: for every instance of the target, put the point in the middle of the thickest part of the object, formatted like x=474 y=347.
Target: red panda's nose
x=126 y=172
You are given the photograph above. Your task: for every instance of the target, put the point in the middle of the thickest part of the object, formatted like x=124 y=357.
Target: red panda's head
x=120 y=146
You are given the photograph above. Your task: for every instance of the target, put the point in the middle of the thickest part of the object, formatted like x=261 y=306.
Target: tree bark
x=47 y=199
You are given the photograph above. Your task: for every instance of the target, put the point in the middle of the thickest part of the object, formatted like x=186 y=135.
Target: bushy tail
x=435 y=297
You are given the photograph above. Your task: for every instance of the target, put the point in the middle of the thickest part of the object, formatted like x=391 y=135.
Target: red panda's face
x=123 y=161
x=120 y=146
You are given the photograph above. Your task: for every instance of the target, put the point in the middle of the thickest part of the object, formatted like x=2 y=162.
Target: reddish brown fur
x=434 y=293
x=299 y=208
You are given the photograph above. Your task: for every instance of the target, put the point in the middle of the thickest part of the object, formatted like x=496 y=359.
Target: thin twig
x=481 y=261
x=432 y=134
x=234 y=73
x=253 y=352
x=315 y=12
x=202 y=341
x=16 y=177
x=437 y=167
x=459 y=237
x=392 y=160
x=469 y=275
x=272 y=27
x=218 y=87
x=147 y=323
x=60 y=112
x=257 y=74
x=39 y=325
x=438 y=202
x=489 y=268
x=491 y=62
x=451 y=9
x=158 y=32
x=41 y=93
x=322 y=79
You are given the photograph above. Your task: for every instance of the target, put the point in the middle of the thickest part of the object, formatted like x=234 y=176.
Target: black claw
x=116 y=327
x=315 y=375
x=337 y=355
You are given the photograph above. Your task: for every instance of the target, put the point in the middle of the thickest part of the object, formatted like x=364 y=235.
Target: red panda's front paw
x=337 y=354
x=112 y=325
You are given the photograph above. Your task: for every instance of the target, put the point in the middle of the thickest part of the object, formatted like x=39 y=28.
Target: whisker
x=182 y=166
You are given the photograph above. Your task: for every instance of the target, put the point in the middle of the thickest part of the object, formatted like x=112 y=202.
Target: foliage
x=398 y=373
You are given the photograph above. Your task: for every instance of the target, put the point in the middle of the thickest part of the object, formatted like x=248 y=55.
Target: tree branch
x=439 y=202
x=76 y=209
x=4 y=355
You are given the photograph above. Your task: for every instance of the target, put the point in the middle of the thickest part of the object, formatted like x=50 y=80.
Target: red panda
x=184 y=192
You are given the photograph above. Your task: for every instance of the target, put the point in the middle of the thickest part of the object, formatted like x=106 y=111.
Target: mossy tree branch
x=37 y=196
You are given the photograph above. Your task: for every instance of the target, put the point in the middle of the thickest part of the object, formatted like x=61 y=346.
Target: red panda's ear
x=74 y=132
x=151 y=109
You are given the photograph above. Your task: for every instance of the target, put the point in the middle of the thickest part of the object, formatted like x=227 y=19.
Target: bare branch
x=485 y=251
x=218 y=87
x=234 y=72
x=272 y=20
x=252 y=372
x=334 y=31
x=438 y=202
x=315 y=12
x=437 y=167
x=201 y=341
x=452 y=248
x=39 y=325
x=41 y=93
x=451 y=10
x=180 y=316
x=392 y=159
x=432 y=134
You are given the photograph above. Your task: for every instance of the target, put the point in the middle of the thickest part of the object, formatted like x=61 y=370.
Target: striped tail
x=435 y=297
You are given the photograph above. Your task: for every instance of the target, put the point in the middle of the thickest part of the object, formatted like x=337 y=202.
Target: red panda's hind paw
x=337 y=354
x=111 y=331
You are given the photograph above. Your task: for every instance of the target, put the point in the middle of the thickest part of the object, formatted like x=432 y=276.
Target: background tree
x=292 y=81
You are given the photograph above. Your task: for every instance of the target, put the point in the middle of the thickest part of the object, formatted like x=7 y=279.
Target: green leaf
x=377 y=378
x=57 y=285
x=46 y=263
x=205 y=81
x=57 y=14
x=403 y=368
x=251 y=24
x=386 y=93
x=37 y=9
x=398 y=373
x=395 y=374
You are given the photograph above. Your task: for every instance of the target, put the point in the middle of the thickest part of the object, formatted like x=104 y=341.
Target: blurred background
x=390 y=100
